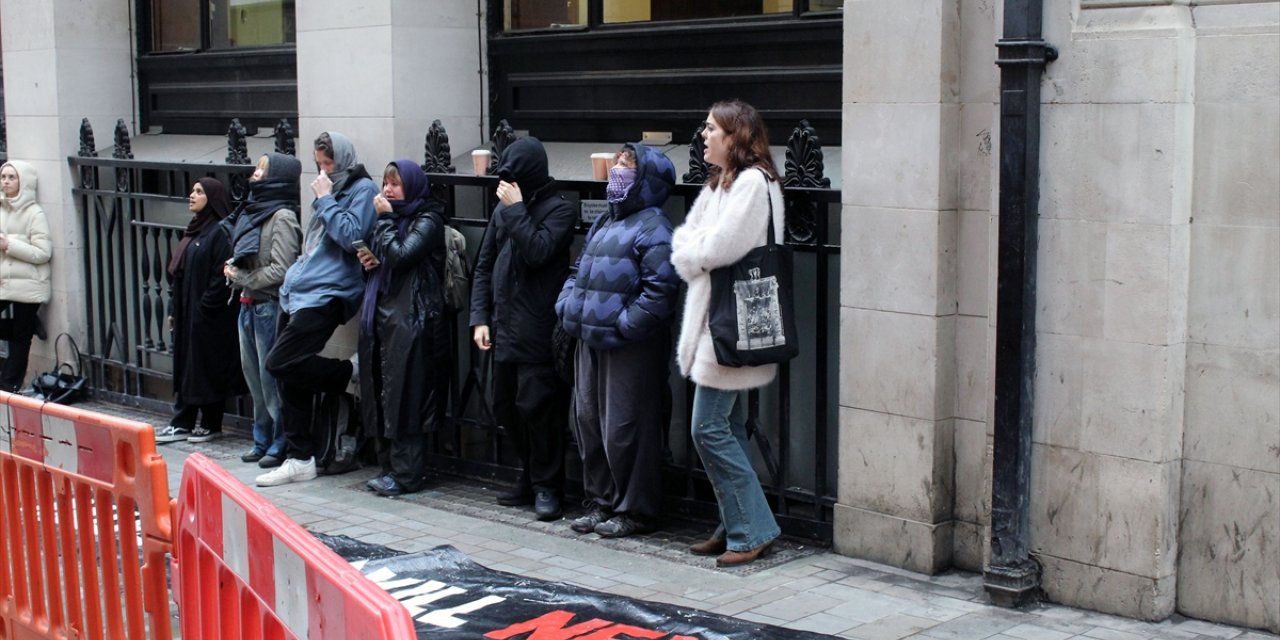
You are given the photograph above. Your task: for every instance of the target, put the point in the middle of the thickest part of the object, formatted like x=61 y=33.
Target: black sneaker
x=385 y=486
x=253 y=455
x=172 y=434
x=201 y=434
x=270 y=462
x=586 y=523
x=622 y=525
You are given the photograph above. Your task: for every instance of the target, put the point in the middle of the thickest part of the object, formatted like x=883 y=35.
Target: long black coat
x=206 y=345
x=403 y=361
x=523 y=261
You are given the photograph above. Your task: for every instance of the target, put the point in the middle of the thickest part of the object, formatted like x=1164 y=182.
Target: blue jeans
x=257 y=336
x=719 y=427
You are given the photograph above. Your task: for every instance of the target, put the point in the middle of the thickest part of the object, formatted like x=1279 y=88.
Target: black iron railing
x=132 y=213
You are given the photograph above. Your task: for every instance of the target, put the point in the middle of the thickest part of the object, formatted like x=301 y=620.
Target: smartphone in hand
x=365 y=253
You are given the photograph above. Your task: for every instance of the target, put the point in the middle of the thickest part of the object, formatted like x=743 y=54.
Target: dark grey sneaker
x=587 y=522
x=546 y=505
x=172 y=434
x=623 y=525
x=270 y=462
x=201 y=434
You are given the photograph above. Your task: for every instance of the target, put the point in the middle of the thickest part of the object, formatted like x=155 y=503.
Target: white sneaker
x=292 y=470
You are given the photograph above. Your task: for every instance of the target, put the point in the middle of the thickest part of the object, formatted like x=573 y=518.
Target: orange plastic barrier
x=85 y=527
x=243 y=569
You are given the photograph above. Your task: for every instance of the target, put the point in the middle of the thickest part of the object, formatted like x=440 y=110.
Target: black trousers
x=210 y=415
x=618 y=405
x=302 y=373
x=18 y=331
x=531 y=401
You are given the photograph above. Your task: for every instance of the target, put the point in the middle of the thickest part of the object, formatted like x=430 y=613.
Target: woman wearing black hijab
x=203 y=320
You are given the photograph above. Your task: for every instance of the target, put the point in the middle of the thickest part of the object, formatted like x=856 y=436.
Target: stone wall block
x=320 y=15
x=907 y=544
x=970 y=542
x=333 y=85
x=1110 y=162
x=1127 y=404
x=1253 y=62
x=1229 y=564
x=415 y=97
x=1136 y=286
x=979 y=30
x=1097 y=588
x=901 y=364
x=1233 y=186
x=925 y=72
x=1233 y=295
x=27 y=89
x=1104 y=511
x=1124 y=56
x=974 y=270
x=897 y=466
x=1059 y=389
x=451 y=15
x=1071 y=277
x=978 y=165
x=31 y=31
x=899 y=260
x=971 y=461
x=972 y=368
x=900 y=155
x=1233 y=410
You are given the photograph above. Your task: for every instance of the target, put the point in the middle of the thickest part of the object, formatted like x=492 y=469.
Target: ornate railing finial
x=503 y=135
x=285 y=138
x=803 y=169
x=697 y=166
x=437 y=157
x=124 y=148
x=237 y=149
x=88 y=148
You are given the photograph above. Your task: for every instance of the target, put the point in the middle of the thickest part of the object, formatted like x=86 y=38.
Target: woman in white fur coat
x=25 y=250
x=729 y=219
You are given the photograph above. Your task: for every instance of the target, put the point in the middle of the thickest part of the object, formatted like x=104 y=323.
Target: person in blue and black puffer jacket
x=619 y=303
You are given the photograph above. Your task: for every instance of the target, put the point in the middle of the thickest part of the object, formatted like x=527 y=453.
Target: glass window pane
x=826 y=5
x=250 y=23
x=520 y=15
x=619 y=11
x=175 y=25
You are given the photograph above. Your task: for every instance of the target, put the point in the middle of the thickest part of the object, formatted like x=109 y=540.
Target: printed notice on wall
x=592 y=209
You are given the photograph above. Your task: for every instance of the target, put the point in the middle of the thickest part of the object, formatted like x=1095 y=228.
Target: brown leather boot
x=736 y=558
x=712 y=546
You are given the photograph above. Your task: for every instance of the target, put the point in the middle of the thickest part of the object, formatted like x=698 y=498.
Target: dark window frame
x=199 y=92
x=603 y=83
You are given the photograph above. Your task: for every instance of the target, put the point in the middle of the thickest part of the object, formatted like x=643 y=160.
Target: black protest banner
x=451 y=597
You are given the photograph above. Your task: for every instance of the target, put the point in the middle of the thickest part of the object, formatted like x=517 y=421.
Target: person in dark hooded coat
x=522 y=262
x=620 y=303
x=403 y=334
x=203 y=320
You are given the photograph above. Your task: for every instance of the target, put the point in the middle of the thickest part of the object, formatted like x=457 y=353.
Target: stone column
x=63 y=61
x=898 y=285
x=380 y=71
x=1116 y=159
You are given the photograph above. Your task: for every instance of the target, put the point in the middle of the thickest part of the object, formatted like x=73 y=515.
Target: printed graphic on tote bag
x=759 y=314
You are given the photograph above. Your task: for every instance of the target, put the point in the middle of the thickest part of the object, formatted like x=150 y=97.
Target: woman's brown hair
x=748 y=141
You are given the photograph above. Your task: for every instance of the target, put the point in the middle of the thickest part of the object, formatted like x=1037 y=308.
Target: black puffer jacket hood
x=524 y=162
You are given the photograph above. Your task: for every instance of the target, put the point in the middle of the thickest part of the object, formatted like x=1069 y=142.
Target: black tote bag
x=752 y=316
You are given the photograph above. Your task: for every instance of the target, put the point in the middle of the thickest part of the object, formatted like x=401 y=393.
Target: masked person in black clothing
x=523 y=261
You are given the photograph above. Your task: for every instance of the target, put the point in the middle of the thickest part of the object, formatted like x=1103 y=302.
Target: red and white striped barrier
x=243 y=569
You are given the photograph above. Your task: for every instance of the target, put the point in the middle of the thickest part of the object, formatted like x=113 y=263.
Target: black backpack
x=339 y=438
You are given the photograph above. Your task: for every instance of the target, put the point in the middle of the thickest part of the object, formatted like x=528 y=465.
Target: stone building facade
x=1156 y=456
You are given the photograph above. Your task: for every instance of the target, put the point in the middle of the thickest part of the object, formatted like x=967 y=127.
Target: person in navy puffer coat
x=620 y=302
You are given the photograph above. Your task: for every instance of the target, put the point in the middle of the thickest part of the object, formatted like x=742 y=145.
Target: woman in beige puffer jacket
x=25 y=251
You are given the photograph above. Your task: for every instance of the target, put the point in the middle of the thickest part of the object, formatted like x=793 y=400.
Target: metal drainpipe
x=1012 y=577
